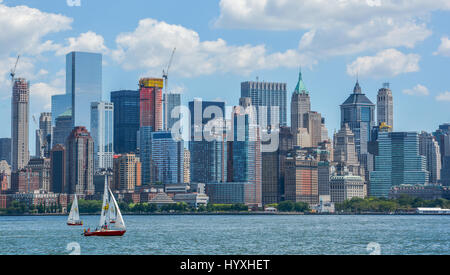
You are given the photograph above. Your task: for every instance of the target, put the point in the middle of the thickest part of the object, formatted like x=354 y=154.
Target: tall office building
x=173 y=101
x=301 y=180
x=429 y=148
x=208 y=158
x=151 y=109
x=84 y=84
x=58 y=170
x=398 y=162
x=63 y=128
x=359 y=113
x=345 y=150
x=145 y=153
x=267 y=94
x=246 y=150
x=61 y=104
x=127 y=174
x=385 y=106
x=442 y=136
x=313 y=122
x=126 y=120
x=20 y=112
x=300 y=105
x=80 y=162
x=102 y=125
x=167 y=158
x=43 y=136
x=5 y=149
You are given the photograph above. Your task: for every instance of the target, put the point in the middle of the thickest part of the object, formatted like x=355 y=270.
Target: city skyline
x=329 y=80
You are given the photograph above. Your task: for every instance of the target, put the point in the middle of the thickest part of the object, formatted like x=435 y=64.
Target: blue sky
x=221 y=43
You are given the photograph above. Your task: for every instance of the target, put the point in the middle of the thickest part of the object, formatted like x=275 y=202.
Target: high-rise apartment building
x=44 y=136
x=398 y=162
x=167 y=157
x=20 y=115
x=429 y=148
x=385 y=106
x=80 y=162
x=151 y=107
x=102 y=131
x=270 y=96
x=127 y=172
x=126 y=120
x=83 y=84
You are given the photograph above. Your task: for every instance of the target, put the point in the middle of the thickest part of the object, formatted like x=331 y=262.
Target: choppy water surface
x=254 y=235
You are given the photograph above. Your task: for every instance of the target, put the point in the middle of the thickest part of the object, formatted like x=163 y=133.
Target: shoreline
x=231 y=214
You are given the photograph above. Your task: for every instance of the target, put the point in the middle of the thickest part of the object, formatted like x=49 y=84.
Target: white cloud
x=444 y=48
x=443 y=97
x=88 y=41
x=149 y=47
x=387 y=63
x=23 y=29
x=336 y=27
x=418 y=90
x=41 y=94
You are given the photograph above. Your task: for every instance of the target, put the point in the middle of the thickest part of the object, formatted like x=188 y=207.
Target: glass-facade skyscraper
x=60 y=105
x=166 y=158
x=126 y=120
x=208 y=158
x=173 y=101
x=398 y=162
x=102 y=124
x=84 y=84
x=267 y=94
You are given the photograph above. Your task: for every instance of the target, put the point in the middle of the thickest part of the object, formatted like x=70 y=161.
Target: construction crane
x=166 y=83
x=13 y=71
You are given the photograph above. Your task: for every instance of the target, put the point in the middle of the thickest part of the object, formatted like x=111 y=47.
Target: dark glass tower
x=126 y=120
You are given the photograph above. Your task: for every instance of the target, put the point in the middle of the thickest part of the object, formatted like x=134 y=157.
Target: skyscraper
x=301 y=180
x=84 y=84
x=127 y=174
x=145 y=153
x=42 y=167
x=126 y=120
x=267 y=94
x=187 y=166
x=167 y=158
x=398 y=162
x=102 y=124
x=151 y=112
x=313 y=122
x=443 y=138
x=58 y=169
x=63 y=128
x=80 y=162
x=20 y=123
x=173 y=101
x=385 y=106
x=429 y=148
x=208 y=158
x=43 y=135
x=345 y=150
x=61 y=104
x=300 y=105
x=5 y=149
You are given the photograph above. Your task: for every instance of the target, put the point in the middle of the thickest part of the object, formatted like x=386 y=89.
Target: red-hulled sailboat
x=110 y=212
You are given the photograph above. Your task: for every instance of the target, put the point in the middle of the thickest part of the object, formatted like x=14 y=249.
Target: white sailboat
x=74 y=215
x=110 y=212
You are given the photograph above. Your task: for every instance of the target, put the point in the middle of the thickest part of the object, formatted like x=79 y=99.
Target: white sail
x=105 y=205
x=112 y=209
x=74 y=214
x=120 y=224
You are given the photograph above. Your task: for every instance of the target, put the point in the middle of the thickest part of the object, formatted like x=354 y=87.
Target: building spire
x=301 y=88
x=357 y=89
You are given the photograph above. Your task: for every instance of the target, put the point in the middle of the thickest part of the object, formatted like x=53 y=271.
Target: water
x=229 y=235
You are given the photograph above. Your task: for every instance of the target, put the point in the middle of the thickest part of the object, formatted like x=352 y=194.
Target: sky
x=221 y=43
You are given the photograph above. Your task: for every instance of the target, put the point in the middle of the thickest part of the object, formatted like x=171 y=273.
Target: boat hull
x=105 y=233
x=75 y=224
